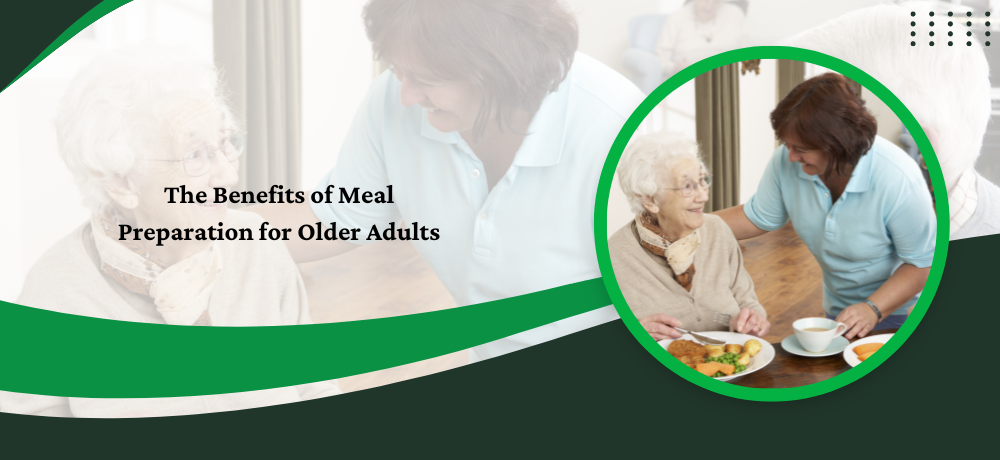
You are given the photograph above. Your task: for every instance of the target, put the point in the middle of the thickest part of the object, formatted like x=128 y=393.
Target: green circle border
x=601 y=221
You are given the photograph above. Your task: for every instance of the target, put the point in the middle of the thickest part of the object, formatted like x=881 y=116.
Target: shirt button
x=826 y=195
x=692 y=300
x=475 y=173
x=482 y=216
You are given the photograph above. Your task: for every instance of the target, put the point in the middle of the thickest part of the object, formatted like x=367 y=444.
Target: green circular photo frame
x=601 y=222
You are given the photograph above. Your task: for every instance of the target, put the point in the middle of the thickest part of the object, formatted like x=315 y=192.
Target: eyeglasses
x=199 y=161
x=690 y=187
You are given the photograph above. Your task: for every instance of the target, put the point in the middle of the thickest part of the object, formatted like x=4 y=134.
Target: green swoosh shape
x=87 y=19
x=58 y=354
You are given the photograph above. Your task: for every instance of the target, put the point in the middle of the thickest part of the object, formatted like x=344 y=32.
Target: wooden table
x=788 y=370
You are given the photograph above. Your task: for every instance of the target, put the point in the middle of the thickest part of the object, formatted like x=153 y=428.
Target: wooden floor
x=391 y=279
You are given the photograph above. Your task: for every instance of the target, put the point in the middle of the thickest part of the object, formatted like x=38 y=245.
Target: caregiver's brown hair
x=515 y=51
x=825 y=114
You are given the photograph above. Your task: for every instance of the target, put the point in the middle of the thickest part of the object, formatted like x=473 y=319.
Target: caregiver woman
x=857 y=201
x=491 y=128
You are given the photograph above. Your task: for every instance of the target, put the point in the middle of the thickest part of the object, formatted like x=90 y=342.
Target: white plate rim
x=852 y=358
x=766 y=350
x=811 y=354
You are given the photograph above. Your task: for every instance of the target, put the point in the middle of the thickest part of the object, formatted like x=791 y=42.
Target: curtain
x=258 y=48
x=790 y=73
x=717 y=119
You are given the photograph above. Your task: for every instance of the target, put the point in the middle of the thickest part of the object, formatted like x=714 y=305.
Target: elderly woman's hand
x=750 y=321
x=661 y=326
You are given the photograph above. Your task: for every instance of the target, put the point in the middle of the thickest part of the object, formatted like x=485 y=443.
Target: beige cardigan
x=721 y=284
x=259 y=286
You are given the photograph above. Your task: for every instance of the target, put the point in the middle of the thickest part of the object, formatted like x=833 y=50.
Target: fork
x=722 y=318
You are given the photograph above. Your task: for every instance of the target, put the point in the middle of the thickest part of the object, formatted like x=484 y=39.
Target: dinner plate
x=791 y=344
x=852 y=358
x=757 y=362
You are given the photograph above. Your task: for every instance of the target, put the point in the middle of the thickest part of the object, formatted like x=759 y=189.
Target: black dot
x=949 y=33
x=949 y=43
x=969 y=23
x=987 y=43
x=913 y=13
x=949 y=13
x=913 y=43
x=913 y=34
x=968 y=43
x=949 y=23
x=932 y=43
x=968 y=34
x=932 y=13
x=968 y=13
x=987 y=33
x=987 y=14
x=932 y=23
x=932 y=33
x=987 y=23
x=912 y=23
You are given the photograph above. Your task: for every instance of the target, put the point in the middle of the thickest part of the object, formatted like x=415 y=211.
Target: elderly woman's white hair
x=647 y=160
x=117 y=110
x=947 y=88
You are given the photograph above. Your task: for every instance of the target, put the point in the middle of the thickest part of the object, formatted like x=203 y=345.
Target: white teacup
x=815 y=334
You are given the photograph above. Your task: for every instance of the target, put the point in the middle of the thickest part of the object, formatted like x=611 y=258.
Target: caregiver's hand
x=661 y=326
x=750 y=321
x=859 y=318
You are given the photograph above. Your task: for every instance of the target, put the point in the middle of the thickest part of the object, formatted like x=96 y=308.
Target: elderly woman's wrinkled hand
x=661 y=326
x=750 y=321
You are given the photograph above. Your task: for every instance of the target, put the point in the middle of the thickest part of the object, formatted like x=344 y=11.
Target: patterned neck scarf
x=180 y=292
x=679 y=254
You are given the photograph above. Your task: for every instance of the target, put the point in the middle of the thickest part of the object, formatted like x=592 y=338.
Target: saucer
x=837 y=346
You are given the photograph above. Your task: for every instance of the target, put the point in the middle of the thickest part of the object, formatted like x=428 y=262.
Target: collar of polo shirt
x=861 y=177
x=543 y=146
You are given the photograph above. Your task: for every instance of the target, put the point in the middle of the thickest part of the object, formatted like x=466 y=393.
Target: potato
x=752 y=347
x=734 y=348
x=744 y=360
x=715 y=350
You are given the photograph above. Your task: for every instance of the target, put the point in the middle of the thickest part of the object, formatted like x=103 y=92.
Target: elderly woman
x=676 y=266
x=130 y=125
x=696 y=31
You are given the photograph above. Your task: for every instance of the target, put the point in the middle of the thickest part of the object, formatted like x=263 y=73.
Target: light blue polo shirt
x=533 y=231
x=883 y=219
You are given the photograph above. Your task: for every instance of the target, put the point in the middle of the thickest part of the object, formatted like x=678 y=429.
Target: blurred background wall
x=42 y=203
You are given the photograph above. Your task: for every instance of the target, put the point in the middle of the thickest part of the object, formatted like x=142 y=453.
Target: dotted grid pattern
x=951 y=23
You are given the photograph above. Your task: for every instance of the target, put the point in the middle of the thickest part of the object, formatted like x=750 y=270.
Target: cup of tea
x=815 y=334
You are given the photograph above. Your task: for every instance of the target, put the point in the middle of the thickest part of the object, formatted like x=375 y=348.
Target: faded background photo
x=296 y=72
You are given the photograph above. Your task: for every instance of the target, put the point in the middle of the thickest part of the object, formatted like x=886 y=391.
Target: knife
x=702 y=337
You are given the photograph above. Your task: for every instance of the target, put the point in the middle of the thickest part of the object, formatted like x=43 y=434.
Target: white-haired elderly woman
x=677 y=266
x=131 y=124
